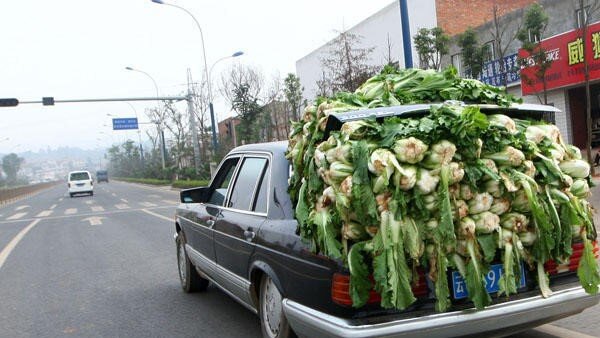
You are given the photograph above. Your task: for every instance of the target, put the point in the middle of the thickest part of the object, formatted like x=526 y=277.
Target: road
x=105 y=266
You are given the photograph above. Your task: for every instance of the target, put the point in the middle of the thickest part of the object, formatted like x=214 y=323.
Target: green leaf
x=360 y=286
x=476 y=285
x=363 y=200
x=588 y=272
x=488 y=244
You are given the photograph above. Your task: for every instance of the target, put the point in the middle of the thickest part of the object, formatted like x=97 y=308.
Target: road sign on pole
x=125 y=123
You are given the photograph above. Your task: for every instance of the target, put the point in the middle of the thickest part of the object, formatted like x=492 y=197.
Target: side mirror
x=194 y=195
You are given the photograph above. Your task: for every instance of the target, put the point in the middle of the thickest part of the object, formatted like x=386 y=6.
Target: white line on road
x=13 y=243
x=111 y=212
x=121 y=206
x=97 y=208
x=114 y=195
x=52 y=207
x=89 y=202
x=21 y=207
x=60 y=199
x=158 y=215
x=154 y=196
x=124 y=200
x=147 y=204
x=16 y=216
x=93 y=220
x=70 y=211
x=170 y=201
x=44 y=213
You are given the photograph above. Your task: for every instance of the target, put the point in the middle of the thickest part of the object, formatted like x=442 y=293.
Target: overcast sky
x=79 y=49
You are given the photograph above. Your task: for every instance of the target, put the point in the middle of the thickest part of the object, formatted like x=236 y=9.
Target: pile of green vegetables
x=452 y=189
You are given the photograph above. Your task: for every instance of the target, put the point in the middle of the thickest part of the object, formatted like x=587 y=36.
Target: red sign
x=566 y=51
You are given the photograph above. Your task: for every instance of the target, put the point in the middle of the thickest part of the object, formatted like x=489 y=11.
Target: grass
x=184 y=184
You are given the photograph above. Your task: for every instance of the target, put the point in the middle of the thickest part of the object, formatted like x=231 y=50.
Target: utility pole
x=406 y=45
x=193 y=128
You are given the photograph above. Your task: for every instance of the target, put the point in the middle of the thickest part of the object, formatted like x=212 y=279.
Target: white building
x=382 y=30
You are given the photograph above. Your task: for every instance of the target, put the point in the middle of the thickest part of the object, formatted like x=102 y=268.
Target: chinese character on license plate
x=459 y=287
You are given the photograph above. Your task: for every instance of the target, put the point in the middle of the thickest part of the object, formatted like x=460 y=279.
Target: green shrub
x=185 y=184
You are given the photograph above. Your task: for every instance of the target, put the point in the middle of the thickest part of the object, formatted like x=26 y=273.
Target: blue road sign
x=125 y=123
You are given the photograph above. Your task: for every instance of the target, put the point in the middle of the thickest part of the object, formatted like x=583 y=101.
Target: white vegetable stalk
x=509 y=156
x=486 y=222
x=490 y=164
x=580 y=188
x=456 y=173
x=494 y=188
x=410 y=150
x=575 y=168
x=406 y=178
x=461 y=209
x=481 y=202
x=426 y=183
x=514 y=221
x=520 y=203
x=466 y=193
x=500 y=120
x=551 y=131
x=500 y=206
x=466 y=228
x=440 y=153
x=535 y=134
x=509 y=184
x=528 y=168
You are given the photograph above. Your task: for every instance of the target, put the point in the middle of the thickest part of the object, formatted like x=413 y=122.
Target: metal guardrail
x=11 y=194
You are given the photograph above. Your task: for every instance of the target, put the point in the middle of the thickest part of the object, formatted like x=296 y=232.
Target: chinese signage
x=492 y=73
x=125 y=123
x=567 y=54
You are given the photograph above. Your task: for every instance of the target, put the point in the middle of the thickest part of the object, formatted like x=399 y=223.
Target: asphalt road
x=105 y=266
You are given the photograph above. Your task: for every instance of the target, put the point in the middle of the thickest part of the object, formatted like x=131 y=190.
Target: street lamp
x=210 y=106
x=161 y=133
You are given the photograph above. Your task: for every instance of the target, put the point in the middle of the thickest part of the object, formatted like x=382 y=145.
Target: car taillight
x=553 y=268
x=340 y=289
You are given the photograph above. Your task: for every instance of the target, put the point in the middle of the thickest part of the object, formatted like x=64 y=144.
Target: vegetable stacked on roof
x=453 y=189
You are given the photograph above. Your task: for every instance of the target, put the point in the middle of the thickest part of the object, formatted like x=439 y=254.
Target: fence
x=10 y=194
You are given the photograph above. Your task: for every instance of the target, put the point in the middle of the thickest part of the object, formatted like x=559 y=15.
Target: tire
x=273 y=323
x=188 y=276
x=71 y=194
x=91 y=193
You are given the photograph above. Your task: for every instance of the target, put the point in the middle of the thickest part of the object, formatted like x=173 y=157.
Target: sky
x=78 y=49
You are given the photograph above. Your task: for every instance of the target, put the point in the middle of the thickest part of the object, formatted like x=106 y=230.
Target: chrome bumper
x=505 y=317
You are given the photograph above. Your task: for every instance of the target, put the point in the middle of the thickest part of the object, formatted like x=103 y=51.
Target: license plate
x=80 y=184
x=459 y=287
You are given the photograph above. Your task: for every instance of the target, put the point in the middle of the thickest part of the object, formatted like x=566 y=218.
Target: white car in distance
x=80 y=182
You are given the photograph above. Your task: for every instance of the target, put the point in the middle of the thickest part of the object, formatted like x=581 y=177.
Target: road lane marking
x=124 y=200
x=114 y=195
x=60 y=199
x=154 y=196
x=147 y=204
x=170 y=202
x=97 y=208
x=21 y=207
x=13 y=243
x=94 y=220
x=158 y=215
x=52 y=207
x=45 y=213
x=121 y=206
x=70 y=211
x=89 y=202
x=110 y=212
x=16 y=216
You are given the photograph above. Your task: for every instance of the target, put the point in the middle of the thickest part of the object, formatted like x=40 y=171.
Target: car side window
x=222 y=180
x=260 y=204
x=245 y=184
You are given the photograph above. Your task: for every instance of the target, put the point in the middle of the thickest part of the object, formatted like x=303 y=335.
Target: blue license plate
x=459 y=287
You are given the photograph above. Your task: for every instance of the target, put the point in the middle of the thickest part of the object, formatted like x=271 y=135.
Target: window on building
x=581 y=16
x=489 y=52
x=455 y=60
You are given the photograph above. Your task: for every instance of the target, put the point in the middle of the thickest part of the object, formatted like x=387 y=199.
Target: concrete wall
x=375 y=31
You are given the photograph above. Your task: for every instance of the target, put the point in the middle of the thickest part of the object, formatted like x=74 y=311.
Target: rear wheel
x=71 y=194
x=188 y=276
x=91 y=193
x=272 y=319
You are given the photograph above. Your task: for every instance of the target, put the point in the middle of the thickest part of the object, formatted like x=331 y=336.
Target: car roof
x=78 y=171
x=275 y=148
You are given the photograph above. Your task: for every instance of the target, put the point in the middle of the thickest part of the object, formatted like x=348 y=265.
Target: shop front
x=566 y=75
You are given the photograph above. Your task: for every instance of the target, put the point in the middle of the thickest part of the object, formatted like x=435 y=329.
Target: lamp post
x=160 y=130
x=210 y=106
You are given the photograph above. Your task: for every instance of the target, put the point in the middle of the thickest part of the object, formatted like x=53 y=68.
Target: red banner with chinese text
x=566 y=51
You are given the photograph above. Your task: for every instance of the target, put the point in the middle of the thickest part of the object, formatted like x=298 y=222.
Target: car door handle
x=249 y=235
x=210 y=223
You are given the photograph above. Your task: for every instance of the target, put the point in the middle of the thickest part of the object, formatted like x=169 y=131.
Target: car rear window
x=79 y=176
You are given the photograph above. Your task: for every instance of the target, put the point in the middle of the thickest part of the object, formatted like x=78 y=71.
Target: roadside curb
x=24 y=196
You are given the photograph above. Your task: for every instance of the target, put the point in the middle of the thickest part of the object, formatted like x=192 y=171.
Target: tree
x=431 y=45
x=242 y=87
x=587 y=13
x=292 y=90
x=472 y=53
x=499 y=32
x=346 y=66
x=11 y=164
x=530 y=35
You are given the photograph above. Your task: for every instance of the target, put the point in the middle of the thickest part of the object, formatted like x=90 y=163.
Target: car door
x=201 y=217
x=245 y=211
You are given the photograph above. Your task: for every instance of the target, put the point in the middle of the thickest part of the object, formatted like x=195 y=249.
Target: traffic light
x=8 y=102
